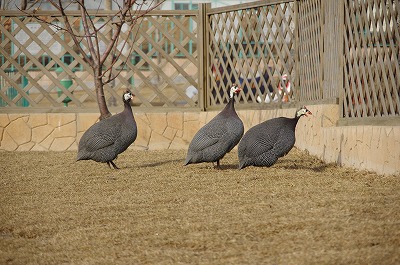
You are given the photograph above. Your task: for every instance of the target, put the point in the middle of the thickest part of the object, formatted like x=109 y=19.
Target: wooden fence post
x=203 y=55
x=332 y=57
x=297 y=52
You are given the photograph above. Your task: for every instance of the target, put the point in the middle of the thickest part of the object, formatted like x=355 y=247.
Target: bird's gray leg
x=112 y=165
x=218 y=165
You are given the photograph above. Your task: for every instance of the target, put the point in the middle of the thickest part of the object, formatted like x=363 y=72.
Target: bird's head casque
x=235 y=89
x=303 y=111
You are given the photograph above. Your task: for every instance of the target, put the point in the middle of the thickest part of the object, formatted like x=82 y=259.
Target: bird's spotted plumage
x=264 y=143
x=217 y=137
x=104 y=140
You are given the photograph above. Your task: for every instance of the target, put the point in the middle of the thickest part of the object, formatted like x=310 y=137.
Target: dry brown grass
x=155 y=211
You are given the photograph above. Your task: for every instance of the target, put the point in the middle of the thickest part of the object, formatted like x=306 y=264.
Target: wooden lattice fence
x=372 y=60
x=253 y=46
x=41 y=68
x=310 y=45
x=338 y=51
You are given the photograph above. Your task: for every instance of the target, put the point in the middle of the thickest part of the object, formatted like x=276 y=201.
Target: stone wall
x=374 y=148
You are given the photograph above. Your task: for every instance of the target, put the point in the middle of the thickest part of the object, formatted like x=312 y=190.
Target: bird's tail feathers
x=243 y=164
x=187 y=161
x=79 y=157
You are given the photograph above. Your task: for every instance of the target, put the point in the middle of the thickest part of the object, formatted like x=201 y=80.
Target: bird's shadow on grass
x=296 y=165
x=227 y=167
x=221 y=167
x=181 y=163
x=160 y=163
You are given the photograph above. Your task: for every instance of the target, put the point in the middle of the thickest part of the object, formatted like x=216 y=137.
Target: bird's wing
x=209 y=135
x=257 y=141
x=235 y=130
x=98 y=136
x=285 y=142
x=256 y=147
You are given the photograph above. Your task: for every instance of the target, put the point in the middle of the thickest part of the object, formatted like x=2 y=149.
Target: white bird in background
x=286 y=92
x=191 y=91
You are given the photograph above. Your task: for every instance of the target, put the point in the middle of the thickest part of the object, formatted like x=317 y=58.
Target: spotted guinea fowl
x=106 y=139
x=264 y=143
x=217 y=137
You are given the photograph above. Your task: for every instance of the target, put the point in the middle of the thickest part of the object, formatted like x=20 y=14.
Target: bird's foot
x=112 y=165
x=218 y=166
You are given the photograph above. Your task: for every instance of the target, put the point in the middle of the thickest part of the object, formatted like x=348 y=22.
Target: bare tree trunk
x=24 y=4
x=109 y=61
x=95 y=58
x=101 y=99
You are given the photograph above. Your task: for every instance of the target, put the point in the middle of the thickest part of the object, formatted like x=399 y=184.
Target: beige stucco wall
x=374 y=148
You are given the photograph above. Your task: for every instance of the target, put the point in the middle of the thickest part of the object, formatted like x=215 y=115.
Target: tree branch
x=133 y=18
x=69 y=29
x=93 y=52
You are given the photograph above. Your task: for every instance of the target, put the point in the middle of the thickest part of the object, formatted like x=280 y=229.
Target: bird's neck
x=231 y=104
x=231 y=101
x=297 y=116
x=127 y=106
x=295 y=120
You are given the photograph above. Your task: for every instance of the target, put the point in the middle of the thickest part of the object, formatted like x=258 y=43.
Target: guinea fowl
x=217 y=137
x=106 y=139
x=264 y=143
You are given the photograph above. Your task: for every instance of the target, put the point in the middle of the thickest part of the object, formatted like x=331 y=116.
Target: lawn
x=154 y=210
